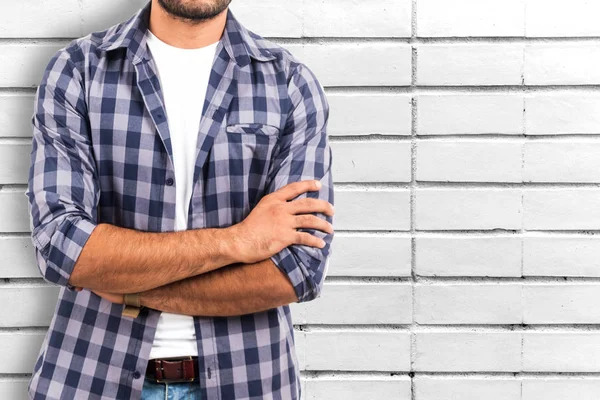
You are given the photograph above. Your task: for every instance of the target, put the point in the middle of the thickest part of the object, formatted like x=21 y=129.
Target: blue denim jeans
x=170 y=391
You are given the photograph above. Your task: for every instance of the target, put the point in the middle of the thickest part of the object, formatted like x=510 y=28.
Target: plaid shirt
x=101 y=152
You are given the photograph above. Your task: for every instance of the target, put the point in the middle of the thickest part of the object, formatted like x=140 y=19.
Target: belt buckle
x=184 y=358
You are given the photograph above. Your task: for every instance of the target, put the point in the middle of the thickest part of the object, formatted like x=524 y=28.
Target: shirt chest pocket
x=241 y=158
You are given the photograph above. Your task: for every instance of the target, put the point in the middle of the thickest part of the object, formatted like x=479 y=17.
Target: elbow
x=306 y=269
x=310 y=285
x=314 y=284
x=58 y=246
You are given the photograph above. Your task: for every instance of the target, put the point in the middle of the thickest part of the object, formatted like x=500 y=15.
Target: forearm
x=122 y=260
x=233 y=290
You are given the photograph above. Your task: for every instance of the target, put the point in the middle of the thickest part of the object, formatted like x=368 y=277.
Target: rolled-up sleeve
x=304 y=153
x=62 y=184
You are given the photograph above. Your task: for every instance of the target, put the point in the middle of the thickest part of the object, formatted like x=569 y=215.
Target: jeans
x=170 y=391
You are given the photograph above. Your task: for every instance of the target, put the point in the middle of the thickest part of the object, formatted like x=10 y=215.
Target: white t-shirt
x=183 y=75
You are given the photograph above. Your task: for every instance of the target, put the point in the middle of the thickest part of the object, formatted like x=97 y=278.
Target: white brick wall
x=466 y=136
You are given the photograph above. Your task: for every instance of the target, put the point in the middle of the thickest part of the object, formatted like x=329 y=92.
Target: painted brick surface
x=465 y=64
x=441 y=18
x=433 y=388
x=469 y=114
x=465 y=135
x=452 y=350
x=468 y=304
x=561 y=255
x=461 y=255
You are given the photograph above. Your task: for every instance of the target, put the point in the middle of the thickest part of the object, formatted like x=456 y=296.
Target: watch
x=133 y=305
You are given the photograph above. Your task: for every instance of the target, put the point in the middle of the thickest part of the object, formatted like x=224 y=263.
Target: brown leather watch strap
x=132 y=305
x=132 y=299
x=131 y=311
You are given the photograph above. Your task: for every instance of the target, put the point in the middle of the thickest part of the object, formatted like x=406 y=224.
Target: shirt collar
x=239 y=43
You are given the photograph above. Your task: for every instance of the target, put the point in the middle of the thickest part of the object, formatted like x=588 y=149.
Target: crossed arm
x=231 y=290
x=197 y=272
x=212 y=279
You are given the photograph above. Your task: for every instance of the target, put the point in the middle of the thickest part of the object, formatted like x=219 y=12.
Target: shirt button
x=137 y=374
x=169 y=182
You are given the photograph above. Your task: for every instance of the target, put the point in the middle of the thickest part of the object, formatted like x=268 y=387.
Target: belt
x=175 y=369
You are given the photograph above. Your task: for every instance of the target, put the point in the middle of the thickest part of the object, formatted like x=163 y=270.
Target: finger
x=307 y=205
x=308 y=221
x=307 y=239
x=294 y=189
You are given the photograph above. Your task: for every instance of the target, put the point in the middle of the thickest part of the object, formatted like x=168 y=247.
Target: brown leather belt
x=171 y=370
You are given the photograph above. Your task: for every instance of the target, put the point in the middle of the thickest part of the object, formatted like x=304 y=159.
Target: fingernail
x=318 y=184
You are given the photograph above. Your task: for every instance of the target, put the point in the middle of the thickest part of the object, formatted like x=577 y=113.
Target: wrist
x=144 y=299
x=230 y=244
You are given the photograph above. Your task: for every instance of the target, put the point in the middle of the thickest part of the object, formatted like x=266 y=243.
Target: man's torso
x=90 y=351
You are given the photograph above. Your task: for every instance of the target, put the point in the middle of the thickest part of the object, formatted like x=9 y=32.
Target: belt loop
x=159 y=370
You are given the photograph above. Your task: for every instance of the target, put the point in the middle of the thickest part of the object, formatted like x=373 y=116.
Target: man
x=180 y=165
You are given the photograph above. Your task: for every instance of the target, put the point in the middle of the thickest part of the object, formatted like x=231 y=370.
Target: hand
x=272 y=225
x=112 y=297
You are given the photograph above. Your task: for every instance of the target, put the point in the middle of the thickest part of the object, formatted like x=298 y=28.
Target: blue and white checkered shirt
x=101 y=153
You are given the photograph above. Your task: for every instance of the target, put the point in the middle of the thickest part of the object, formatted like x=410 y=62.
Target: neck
x=185 y=34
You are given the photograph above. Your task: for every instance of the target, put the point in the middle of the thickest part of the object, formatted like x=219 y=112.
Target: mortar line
x=412 y=205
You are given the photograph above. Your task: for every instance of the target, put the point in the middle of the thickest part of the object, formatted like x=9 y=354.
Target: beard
x=194 y=11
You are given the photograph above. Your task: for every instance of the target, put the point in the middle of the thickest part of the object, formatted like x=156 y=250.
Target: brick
x=556 y=18
x=357 y=350
x=363 y=303
x=561 y=209
x=19 y=351
x=14 y=162
x=469 y=114
x=376 y=18
x=358 y=388
x=561 y=303
x=23 y=64
x=452 y=209
x=469 y=161
x=360 y=64
x=372 y=210
x=553 y=388
x=562 y=113
x=469 y=64
x=24 y=19
x=562 y=64
x=354 y=255
x=14 y=388
x=562 y=161
x=27 y=306
x=18 y=258
x=561 y=351
x=561 y=256
x=468 y=256
x=440 y=18
x=467 y=388
x=16 y=111
x=370 y=161
x=468 y=304
x=365 y=114
x=14 y=215
x=468 y=351
x=270 y=17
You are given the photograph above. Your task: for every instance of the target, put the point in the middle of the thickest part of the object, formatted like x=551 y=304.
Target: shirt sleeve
x=62 y=183
x=304 y=153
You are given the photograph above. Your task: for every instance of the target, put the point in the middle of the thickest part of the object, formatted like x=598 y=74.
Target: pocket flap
x=252 y=128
